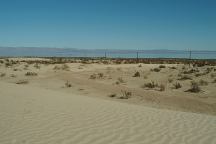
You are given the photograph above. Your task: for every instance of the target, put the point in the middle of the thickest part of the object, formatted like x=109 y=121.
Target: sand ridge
x=35 y=115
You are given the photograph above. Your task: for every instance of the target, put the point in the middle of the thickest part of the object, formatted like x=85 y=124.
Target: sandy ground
x=38 y=116
x=72 y=104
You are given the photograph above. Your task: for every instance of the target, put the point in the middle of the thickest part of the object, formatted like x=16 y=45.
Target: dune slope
x=39 y=116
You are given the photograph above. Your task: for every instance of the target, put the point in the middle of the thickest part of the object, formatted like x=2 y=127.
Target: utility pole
x=137 y=56
x=105 y=54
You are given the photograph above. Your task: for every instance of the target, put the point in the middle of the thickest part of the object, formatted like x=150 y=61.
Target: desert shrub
x=194 y=87
x=112 y=95
x=161 y=87
x=145 y=77
x=185 y=77
x=13 y=75
x=213 y=75
x=125 y=95
x=2 y=74
x=190 y=71
x=67 y=84
x=137 y=74
x=15 y=69
x=8 y=64
x=172 y=67
x=31 y=74
x=177 y=85
x=37 y=66
x=56 y=67
x=214 y=81
x=139 y=65
x=151 y=85
x=162 y=66
x=156 y=69
x=100 y=75
x=203 y=82
x=22 y=82
x=120 y=80
x=170 y=80
x=65 y=67
x=93 y=76
x=199 y=74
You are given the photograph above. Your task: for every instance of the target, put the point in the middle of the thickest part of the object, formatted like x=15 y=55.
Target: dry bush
x=125 y=94
x=161 y=87
x=120 y=80
x=213 y=75
x=98 y=75
x=145 y=77
x=2 y=74
x=156 y=70
x=214 y=81
x=22 y=82
x=185 y=77
x=93 y=76
x=194 y=87
x=203 y=82
x=112 y=95
x=172 y=67
x=8 y=64
x=31 y=74
x=162 y=66
x=65 y=67
x=151 y=85
x=56 y=67
x=13 y=75
x=139 y=65
x=67 y=84
x=137 y=74
x=37 y=66
x=177 y=85
x=191 y=71
x=170 y=80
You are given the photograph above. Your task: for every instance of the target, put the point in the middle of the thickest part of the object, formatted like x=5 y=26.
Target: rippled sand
x=32 y=115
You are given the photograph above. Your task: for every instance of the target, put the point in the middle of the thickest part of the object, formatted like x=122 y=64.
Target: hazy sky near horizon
x=115 y=24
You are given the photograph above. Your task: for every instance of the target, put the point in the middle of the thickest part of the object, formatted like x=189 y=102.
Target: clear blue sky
x=115 y=24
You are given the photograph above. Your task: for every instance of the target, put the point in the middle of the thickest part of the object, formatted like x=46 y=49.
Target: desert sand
x=105 y=103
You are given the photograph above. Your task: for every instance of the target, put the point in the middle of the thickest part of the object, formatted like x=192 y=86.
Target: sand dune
x=32 y=115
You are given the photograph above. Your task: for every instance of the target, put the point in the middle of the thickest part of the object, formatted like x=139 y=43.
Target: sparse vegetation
x=161 y=87
x=203 y=82
x=170 y=80
x=185 y=77
x=139 y=65
x=22 y=82
x=137 y=74
x=98 y=75
x=37 y=66
x=112 y=95
x=93 y=76
x=65 y=67
x=162 y=66
x=151 y=85
x=214 y=81
x=194 y=87
x=125 y=94
x=2 y=74
x=31 y=74
x=156 y=70
x=177 y=85
x=67 y=84
x=120 y=80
